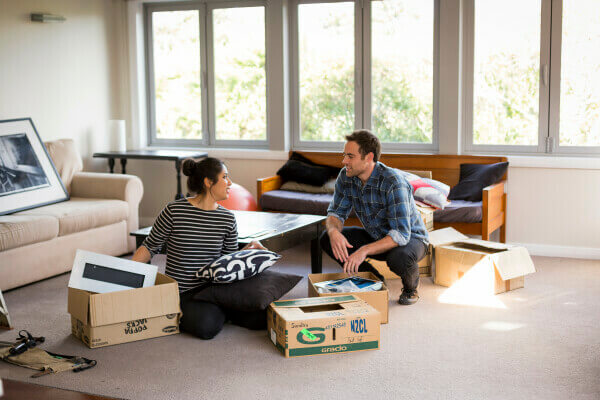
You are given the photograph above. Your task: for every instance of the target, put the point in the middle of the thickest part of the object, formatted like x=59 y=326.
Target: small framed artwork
x=28 y=177
x=4 y=317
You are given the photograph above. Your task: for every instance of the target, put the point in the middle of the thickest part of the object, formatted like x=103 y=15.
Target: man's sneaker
x=408 y=297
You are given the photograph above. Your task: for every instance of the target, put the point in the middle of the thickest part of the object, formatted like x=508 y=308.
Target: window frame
x=362 y=79
x=549 y=89
x=207 y=83
x=555 y=79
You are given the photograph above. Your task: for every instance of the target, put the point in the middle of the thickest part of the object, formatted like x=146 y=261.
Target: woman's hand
x=255 y=244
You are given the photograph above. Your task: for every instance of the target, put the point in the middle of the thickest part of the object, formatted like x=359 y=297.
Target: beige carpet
x=539 y=342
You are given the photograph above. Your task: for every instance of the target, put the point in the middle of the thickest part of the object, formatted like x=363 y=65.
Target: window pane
x=402 y=70
x=240 y=77
x=580 y=74
x=326 y=70
x=506 y=72
x=177 y=74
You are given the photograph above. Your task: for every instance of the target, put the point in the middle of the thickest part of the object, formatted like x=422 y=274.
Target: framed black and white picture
x=4 y=317
x=28 y=177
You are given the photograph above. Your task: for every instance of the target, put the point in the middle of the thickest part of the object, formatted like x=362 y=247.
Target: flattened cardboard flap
x=513 y=263
x=315 y=301
x=444 y=236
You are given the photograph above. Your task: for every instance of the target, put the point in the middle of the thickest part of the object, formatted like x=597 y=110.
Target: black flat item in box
x=252 y=294
x=475 y=177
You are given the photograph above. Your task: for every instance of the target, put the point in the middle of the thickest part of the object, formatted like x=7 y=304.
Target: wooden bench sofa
x=444 y=168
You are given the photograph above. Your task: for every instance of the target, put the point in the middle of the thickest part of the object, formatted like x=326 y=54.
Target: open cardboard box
x=378 y=299
x=323 y=325
x=104 y=319
x=486 y=267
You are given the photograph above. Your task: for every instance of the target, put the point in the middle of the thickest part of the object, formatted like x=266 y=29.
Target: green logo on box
x=306 y=336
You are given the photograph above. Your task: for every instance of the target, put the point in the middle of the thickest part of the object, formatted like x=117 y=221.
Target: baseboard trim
x=547 y=250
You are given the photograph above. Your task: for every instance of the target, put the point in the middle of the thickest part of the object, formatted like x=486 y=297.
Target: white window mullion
x=203 y=42
x=359 y=80
x=365 y=100
x=210 y=74
x=468 y=73
x=554 y=100
x=544 y=144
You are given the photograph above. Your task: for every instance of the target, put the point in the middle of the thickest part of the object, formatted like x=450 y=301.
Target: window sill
x=558 y=162
x=235 y=154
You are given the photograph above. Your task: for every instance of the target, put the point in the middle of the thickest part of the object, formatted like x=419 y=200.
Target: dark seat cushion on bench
x=317 y=203
x=296 y=202
x=460 y=211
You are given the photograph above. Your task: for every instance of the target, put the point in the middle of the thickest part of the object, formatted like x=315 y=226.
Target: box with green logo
x=323 y=325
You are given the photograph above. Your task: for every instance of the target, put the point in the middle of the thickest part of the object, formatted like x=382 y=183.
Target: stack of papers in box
x=352 y=284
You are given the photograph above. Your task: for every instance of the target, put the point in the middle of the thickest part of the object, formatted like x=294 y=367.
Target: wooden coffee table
x=276 y=231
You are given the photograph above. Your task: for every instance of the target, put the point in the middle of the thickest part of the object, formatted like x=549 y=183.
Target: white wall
x=554 y=211
x=67 y=76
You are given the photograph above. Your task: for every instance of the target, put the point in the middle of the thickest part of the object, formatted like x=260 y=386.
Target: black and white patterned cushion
x=239 y=265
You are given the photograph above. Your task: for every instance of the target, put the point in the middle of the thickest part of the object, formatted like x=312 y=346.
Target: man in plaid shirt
x=383 y=201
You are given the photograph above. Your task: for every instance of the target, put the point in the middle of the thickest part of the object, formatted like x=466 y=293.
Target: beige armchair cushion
x=20 y=230
x=66 y=159
x=80 y=214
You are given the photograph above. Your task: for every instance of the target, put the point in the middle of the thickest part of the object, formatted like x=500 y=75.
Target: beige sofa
x=102 y=210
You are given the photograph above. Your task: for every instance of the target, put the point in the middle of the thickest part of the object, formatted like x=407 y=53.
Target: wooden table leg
x=179 y=195
x=123 y=164
x=111 y=165
x=316 y=254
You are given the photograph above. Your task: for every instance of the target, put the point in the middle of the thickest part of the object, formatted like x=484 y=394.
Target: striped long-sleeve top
x=193 y=238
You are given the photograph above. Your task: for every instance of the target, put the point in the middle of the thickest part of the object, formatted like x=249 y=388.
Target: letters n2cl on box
x=323 y=325
x=480 y=265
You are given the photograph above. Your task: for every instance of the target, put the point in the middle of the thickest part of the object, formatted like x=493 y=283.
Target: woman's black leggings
x=205 y=320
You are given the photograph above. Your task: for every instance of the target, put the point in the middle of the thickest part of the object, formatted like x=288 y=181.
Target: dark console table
x=169 y=155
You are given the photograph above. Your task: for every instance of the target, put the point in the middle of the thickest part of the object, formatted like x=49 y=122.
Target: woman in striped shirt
x=196 y=231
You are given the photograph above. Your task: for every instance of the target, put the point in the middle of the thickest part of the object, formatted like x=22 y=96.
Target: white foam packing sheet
x=348 y=285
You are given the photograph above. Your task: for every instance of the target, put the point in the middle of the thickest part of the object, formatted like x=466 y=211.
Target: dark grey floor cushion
x=460 y=211
x=251 y=294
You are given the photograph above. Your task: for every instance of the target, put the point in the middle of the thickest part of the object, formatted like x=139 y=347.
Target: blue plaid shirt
x=385 y=205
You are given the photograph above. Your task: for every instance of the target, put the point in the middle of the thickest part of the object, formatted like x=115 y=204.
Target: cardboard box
x=378 y=299
x=323 y=325
x=104 y=319
x=427 y=216
x=482 y=266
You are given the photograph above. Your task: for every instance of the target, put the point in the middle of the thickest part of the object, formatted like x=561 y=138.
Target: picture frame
x=4 y=317
x=99 y=273
x=28 y=177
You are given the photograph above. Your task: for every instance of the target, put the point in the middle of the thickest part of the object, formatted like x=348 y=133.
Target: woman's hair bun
x=188 y=167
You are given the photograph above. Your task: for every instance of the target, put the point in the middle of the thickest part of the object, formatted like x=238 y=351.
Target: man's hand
x=339 y=245
x=255 y=244
x=353 y=262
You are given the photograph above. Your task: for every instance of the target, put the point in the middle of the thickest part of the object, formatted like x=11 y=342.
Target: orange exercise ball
x=239 y=199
